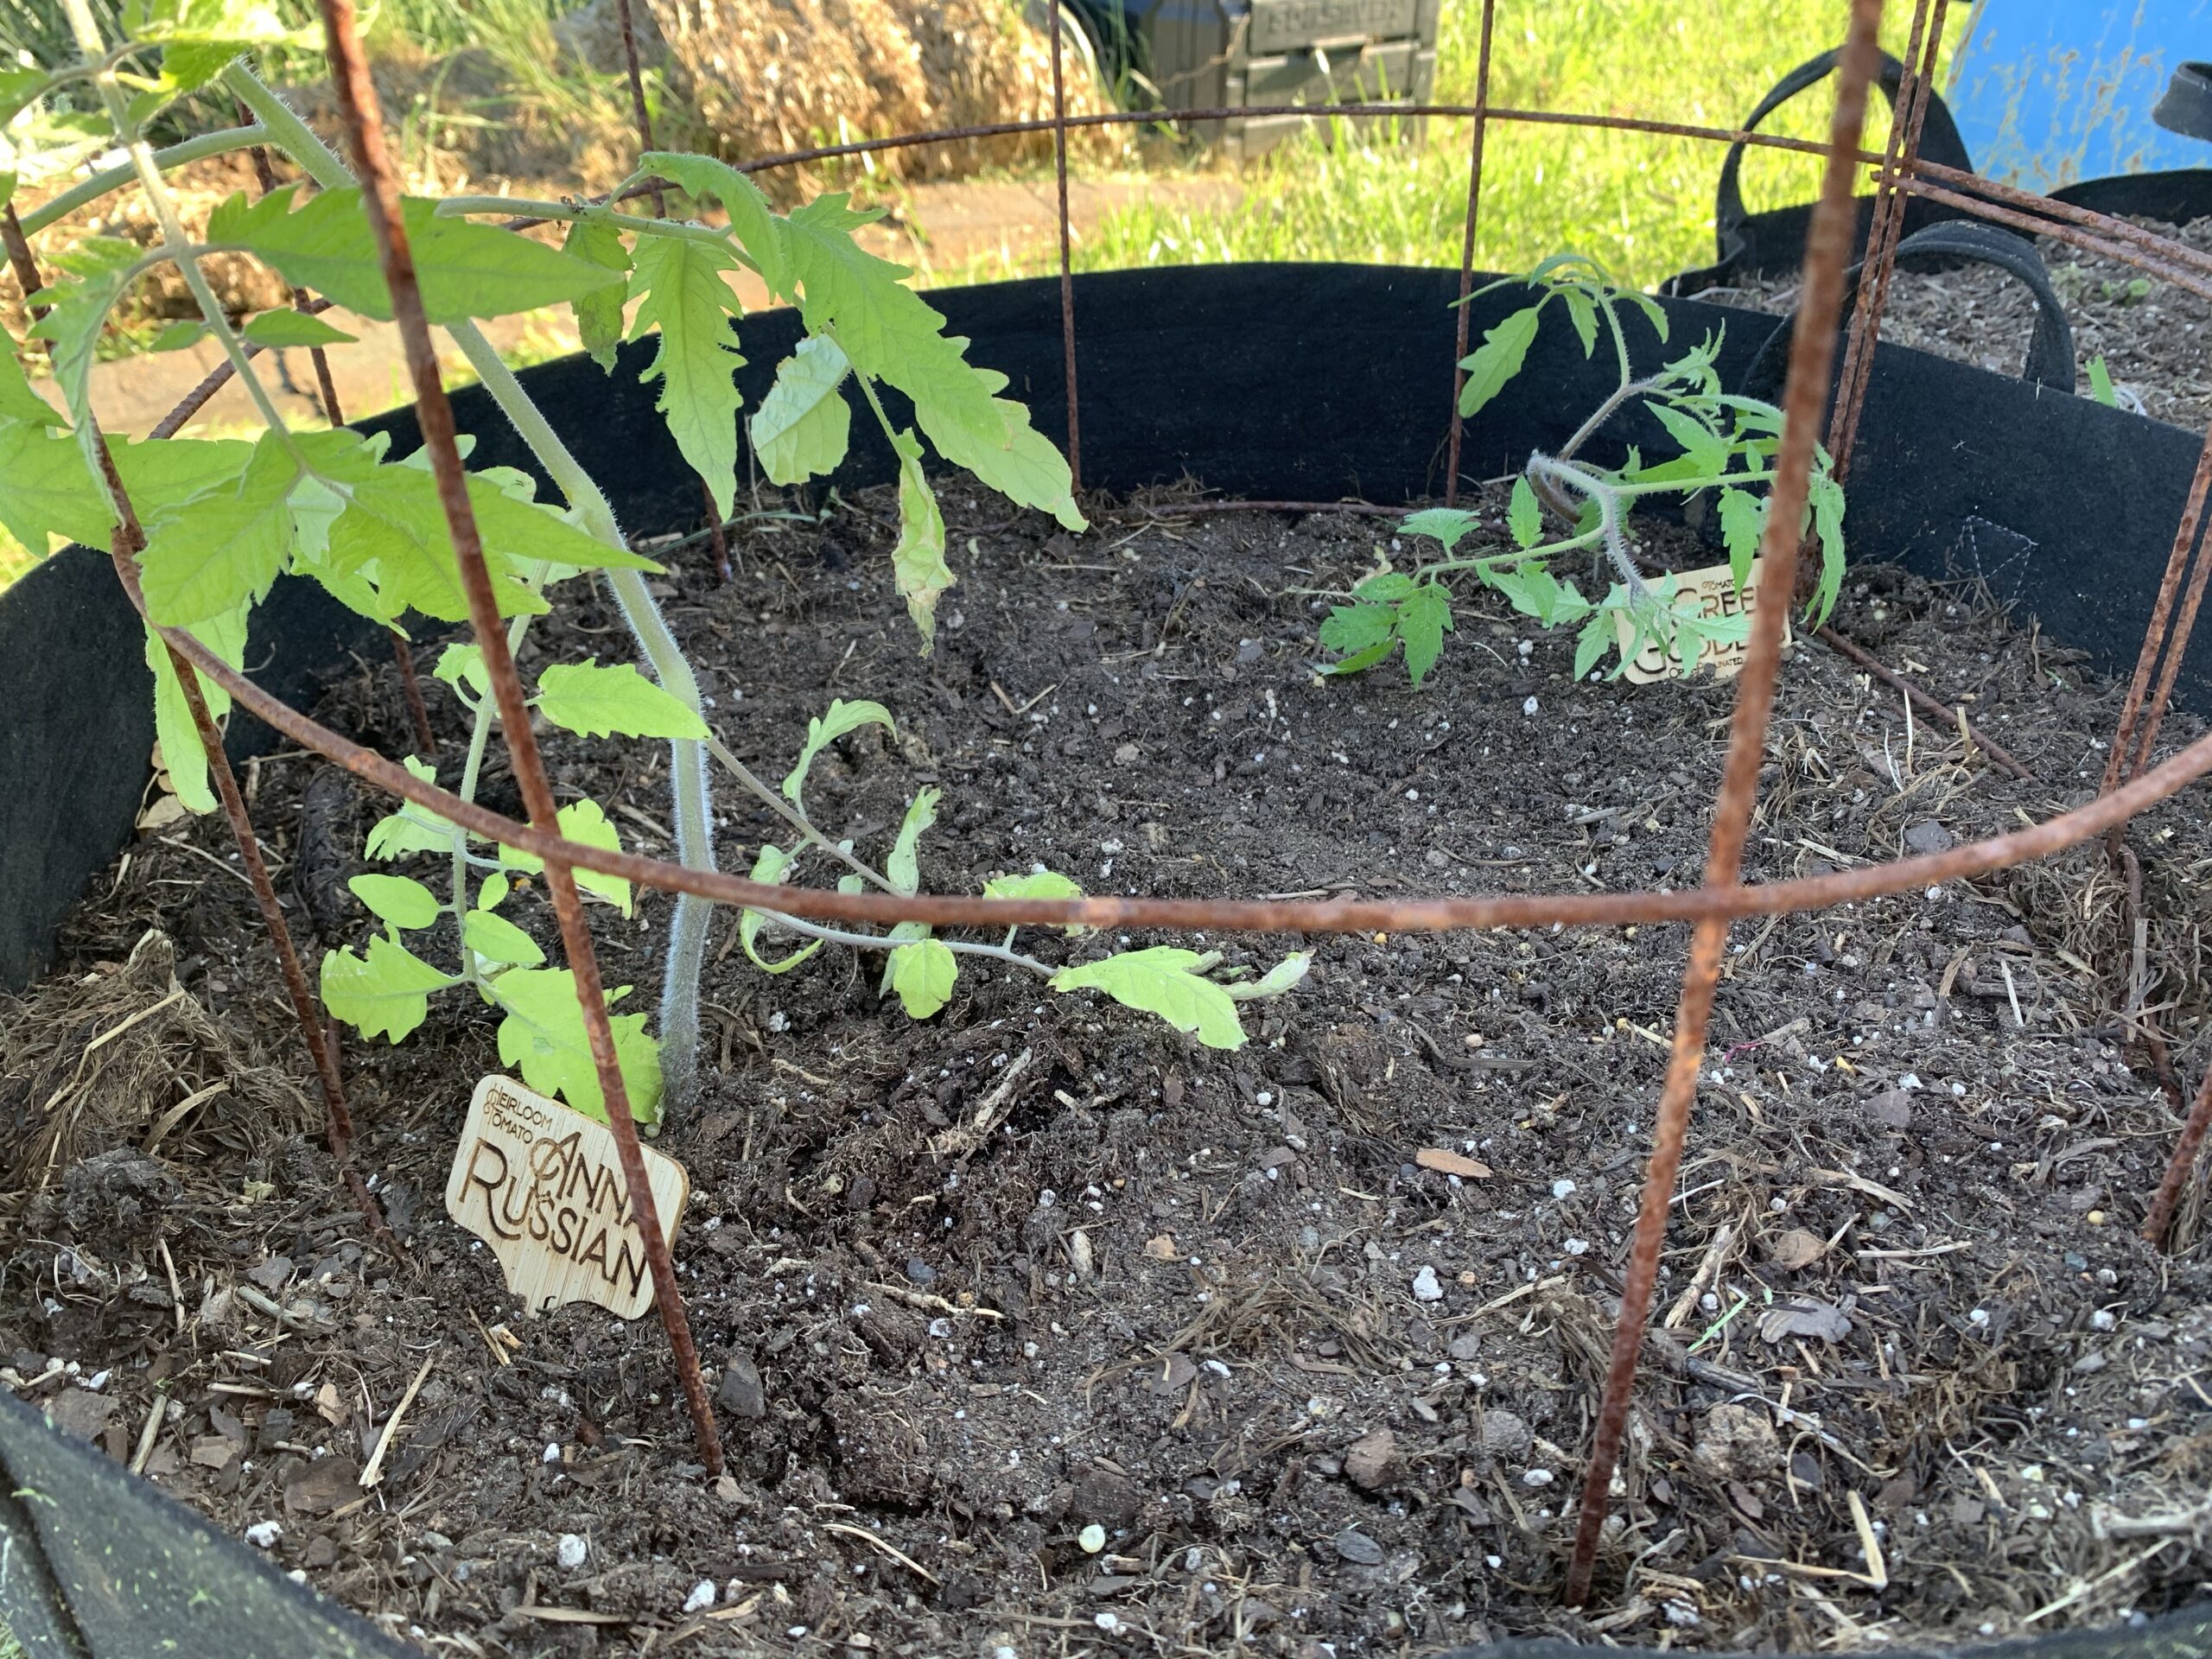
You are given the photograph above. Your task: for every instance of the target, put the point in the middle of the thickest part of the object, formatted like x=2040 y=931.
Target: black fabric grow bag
x=1301 y=381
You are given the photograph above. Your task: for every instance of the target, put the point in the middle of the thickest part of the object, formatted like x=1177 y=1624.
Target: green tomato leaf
x=1524 y=517
x=493 y=893
x=1358 y=627
x=462 y=666
x=923 y=974
x=1279 y=979
x=825 y=730
x=412 y=829
x=770 y=866
x=1448 y=525
x=1360 y=661
x=1591 y=645
x=466 y=269
x=396 y=899
x=224 y=547
x=385 y=993
x=47 y=490
x=1828 y=520
x=593 y=702
x=579 y=821
x=172 y=723
x=891 y=334
x=238 y=24
x=281 y=328
x=903 y=868
x=1652 y=309
x=1038 y=884
x=917 y=565
x=2100 y=387
x=1582 y=311
x=1499 y=358
x=179 y=335
x=100 y=269
x=594 y=239
x=756 y=227
x=804 y=425
x=1743 y=521
x=543 y=1034
x=1705 y=452
x=1160 y=980
x=1388 y=586
x=682 y=288
x=499 y=940
x=1424 y=617
x=17 y=401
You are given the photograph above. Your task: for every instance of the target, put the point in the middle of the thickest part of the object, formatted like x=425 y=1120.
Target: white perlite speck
x=1426 y=1287
x=570 y=1551
x=701 y=1597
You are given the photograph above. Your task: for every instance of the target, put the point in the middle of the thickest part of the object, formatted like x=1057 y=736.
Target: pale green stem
x=791 y=815
x=480 y=734
x=176 y=156
x=693 y=808
x=884 y=941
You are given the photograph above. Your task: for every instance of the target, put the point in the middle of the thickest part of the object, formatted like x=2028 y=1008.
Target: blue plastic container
x=2047 y=92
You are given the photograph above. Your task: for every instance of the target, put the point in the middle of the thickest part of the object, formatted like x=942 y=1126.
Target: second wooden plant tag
x=541 y=1185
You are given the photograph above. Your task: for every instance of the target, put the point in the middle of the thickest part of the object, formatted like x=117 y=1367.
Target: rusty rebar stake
x=1480 y=128
x=1812 y=355
x=1067 y=270
x=356 y=102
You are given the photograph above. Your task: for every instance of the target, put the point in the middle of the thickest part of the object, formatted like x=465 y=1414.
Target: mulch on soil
x=1036 y=1328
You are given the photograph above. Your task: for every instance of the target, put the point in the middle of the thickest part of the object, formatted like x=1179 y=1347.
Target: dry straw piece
x=770 y=76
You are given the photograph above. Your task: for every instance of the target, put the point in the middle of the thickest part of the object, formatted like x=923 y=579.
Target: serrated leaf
x=891 y=334
x=918 y=566
x=385 y=993
x=395 y=899
x=1743 y=521
x=1827 y=521
x=238 y=24
x=1282 y=977
x=497 y=939
x=412 y=829
x=923 y=974
x=579 y=821
x=98 y=269
x=1448 y=525
x=282 y=329
x=174 y=727
x=224 y=547
x=17 y=401
x=903 y=868
x=1590 y=647
x=1038 y=884
x=1703 y=451
x=20 y=85
x=598 y=314
x=595 y=701
x=804 y=425
x=680 y=288
x=46 y=489
x=462 y=666
x=1499 y=358
x=1582 y=311
x=770 y=866
x=1424 y=618
x=465 y=270
x=1160 y=980
x=1388 y=586
x=826 y=728
x=1358 y=627
x=543 y=1034
x=1359 y=662
x=756 y=227
x=1524 y=517
x=179 y=335
x=1652 y=309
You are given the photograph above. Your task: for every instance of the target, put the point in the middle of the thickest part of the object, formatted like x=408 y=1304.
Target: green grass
x=1642 y=206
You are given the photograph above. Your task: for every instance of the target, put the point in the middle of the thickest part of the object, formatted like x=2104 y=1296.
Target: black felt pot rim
x=1310 y=383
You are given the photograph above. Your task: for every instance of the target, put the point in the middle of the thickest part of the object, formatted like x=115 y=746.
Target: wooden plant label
x=1714 y=590
x=541 y=1185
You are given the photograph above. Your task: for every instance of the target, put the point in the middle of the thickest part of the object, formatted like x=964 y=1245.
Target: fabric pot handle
x=1939 y=142
x=2050 y=346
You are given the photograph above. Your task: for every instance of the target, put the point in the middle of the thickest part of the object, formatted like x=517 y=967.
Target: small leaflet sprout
x=922 y=970
x=1564 y=505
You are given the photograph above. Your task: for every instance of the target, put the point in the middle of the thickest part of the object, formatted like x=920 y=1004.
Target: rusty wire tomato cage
x=2131 y=784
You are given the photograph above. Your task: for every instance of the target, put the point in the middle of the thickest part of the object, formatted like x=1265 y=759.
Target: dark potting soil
x=2156 y=339
x=1036 y=1327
